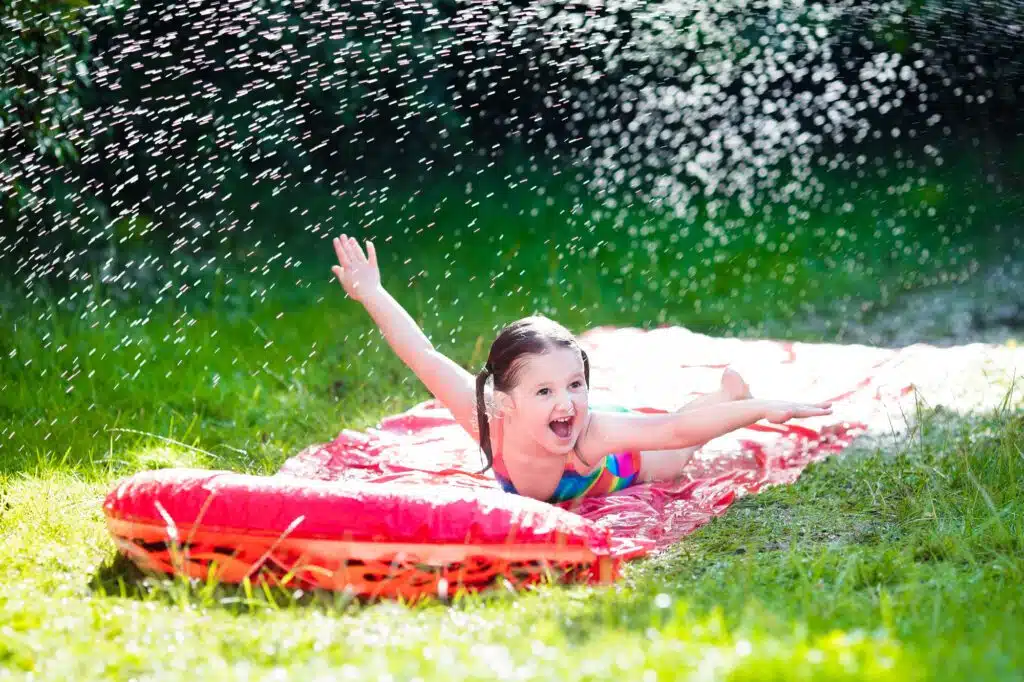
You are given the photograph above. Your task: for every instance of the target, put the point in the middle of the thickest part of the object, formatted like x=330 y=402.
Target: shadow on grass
x=120 y=577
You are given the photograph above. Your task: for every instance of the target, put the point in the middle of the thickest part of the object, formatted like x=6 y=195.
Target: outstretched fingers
x=339 y=251
x=373 y=253
x=355 y=271
x=348 y=244
x=355 y=251
x=786 y=411
x=815 y=410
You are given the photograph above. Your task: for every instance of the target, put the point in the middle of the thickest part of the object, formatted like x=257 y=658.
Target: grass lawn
x=902 y=562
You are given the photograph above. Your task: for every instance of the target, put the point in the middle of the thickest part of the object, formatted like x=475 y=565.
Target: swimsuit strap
x=579 y=455
x=598 y=407
x=502 y=476
x=505 y=483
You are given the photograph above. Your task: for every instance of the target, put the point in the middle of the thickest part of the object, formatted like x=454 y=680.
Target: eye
x=544 y=391
x=576 y=384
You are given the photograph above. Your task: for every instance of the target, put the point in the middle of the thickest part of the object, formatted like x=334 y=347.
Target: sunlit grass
x=260 y=359
x=898 y=564
x=894 y=564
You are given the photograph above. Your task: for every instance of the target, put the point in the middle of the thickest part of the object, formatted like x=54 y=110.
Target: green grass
x=896 y=564
x=265 y=355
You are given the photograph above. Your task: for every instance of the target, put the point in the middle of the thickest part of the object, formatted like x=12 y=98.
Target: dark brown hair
x=529 y=336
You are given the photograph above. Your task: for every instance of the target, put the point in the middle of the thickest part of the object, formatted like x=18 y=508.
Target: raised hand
x=359 y=275
x=780 y=411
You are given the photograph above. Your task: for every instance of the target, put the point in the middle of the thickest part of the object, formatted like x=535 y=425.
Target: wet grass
x=897 y=563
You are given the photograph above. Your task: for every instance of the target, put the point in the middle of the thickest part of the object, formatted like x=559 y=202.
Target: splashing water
x=201 y=154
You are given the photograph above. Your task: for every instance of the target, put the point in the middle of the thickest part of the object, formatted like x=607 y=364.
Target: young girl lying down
x=528 y=407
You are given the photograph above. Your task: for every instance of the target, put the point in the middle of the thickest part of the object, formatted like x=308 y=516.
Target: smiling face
x=549 y=401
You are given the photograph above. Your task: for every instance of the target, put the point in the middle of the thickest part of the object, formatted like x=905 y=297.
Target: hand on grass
x=359 y=275
x=781 y=411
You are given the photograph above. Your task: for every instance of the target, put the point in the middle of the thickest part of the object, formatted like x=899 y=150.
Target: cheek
x=536 y=412
x=526 y=409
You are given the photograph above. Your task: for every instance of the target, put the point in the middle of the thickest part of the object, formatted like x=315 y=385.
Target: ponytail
x=586 y=366
x=481 y=417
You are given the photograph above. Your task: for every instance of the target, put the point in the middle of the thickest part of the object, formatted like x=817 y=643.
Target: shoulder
x=593 y=443
x=609 y=432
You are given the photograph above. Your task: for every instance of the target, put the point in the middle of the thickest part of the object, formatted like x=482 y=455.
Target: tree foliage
x=128 y=118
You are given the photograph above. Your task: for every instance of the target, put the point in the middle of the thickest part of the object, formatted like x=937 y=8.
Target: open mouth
x=562 y=427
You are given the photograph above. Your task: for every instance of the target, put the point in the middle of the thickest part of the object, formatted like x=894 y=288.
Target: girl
x=535 y=426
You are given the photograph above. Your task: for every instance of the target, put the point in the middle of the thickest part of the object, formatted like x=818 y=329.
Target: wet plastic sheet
x=664 y=369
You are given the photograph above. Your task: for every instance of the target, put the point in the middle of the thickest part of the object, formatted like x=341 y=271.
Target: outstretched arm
x=616 y=432
x=450 y=383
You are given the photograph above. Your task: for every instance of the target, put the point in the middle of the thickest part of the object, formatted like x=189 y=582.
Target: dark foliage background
x=129 y=126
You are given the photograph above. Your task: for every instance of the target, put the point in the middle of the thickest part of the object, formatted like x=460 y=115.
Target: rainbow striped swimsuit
x=616 y=472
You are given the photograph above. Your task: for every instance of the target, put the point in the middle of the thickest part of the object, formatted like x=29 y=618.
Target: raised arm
x=445 y=379
x=617 y=432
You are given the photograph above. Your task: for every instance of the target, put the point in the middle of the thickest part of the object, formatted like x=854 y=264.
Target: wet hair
x=505 y=361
